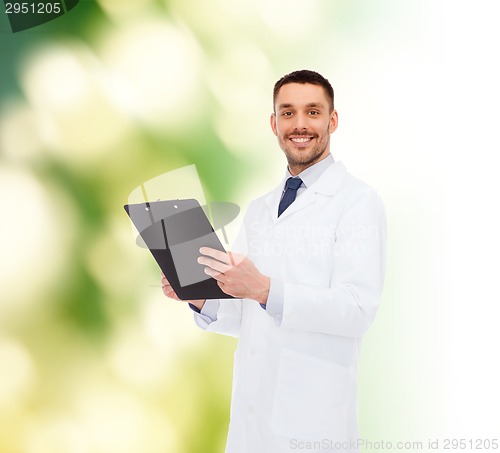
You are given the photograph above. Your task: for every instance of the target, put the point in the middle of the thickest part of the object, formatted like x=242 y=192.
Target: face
x=303 y=123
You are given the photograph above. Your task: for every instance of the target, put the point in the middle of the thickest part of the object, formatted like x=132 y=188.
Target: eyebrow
x=311 y=104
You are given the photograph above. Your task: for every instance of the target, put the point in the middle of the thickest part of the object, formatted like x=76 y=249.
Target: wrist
x=263 y=290
x=198 y=303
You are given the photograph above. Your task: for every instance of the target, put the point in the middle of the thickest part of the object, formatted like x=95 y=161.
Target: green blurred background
x=93 y=358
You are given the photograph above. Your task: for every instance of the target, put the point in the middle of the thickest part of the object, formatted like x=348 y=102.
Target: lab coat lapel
x=272 y=200
x=331 y=180
x=327 y=184
x=305 y=199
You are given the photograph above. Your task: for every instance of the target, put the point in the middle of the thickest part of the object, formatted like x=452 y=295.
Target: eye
x=286 y=114
x=313 y=112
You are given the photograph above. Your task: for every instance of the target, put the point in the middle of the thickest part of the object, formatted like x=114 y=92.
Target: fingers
x=167 y=288
x=217 y=254
x=219 y=276
x=169 y=292
x=231 y=258
x=214 y=264
x=165 y=282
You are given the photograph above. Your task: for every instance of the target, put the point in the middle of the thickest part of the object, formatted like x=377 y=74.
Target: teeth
x=301 y=140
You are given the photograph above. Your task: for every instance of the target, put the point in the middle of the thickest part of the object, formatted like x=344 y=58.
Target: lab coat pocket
x=311 y=397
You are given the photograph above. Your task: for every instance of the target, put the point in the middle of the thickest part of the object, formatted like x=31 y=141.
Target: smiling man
x=303 y=120
x=307 y=274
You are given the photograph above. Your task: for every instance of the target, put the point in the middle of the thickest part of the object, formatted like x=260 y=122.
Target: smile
x=301 y=141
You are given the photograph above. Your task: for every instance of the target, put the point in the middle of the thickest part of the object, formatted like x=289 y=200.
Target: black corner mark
x=24 y=15
x=70 y=4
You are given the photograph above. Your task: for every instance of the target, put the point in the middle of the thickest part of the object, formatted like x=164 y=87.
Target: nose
x=300 y=121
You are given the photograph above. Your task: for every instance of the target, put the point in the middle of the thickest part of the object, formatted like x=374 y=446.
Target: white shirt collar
x=311 y=174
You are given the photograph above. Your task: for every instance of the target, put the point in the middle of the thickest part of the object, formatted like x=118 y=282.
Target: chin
x=301 y=159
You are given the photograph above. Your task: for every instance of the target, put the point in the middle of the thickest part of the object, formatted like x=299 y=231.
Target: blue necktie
x=292 y=185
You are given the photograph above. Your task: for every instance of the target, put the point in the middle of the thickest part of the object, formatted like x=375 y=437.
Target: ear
x=334 y=122
x=273 y=124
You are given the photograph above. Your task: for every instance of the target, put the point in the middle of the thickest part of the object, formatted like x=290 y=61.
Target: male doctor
x=308 y=278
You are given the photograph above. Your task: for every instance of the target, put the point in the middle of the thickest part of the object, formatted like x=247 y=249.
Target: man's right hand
x=169 y=292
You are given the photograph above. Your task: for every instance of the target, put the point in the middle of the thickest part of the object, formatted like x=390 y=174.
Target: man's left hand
x=236 y=275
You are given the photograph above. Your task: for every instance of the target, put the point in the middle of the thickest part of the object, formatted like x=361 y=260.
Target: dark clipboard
x=174 y=231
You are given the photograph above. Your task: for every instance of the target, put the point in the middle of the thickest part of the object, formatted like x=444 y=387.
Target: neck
x=299 y=168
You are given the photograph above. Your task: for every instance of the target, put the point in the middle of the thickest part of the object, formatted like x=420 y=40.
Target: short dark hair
x=305 y=76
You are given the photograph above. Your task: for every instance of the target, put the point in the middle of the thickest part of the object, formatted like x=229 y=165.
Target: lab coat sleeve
x=222 y=316
x=274 y=305
x=348 y=306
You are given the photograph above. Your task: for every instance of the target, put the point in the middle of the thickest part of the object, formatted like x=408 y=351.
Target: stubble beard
x=296 y=158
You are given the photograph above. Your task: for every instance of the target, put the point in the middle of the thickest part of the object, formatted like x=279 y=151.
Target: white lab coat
x=294 y=382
